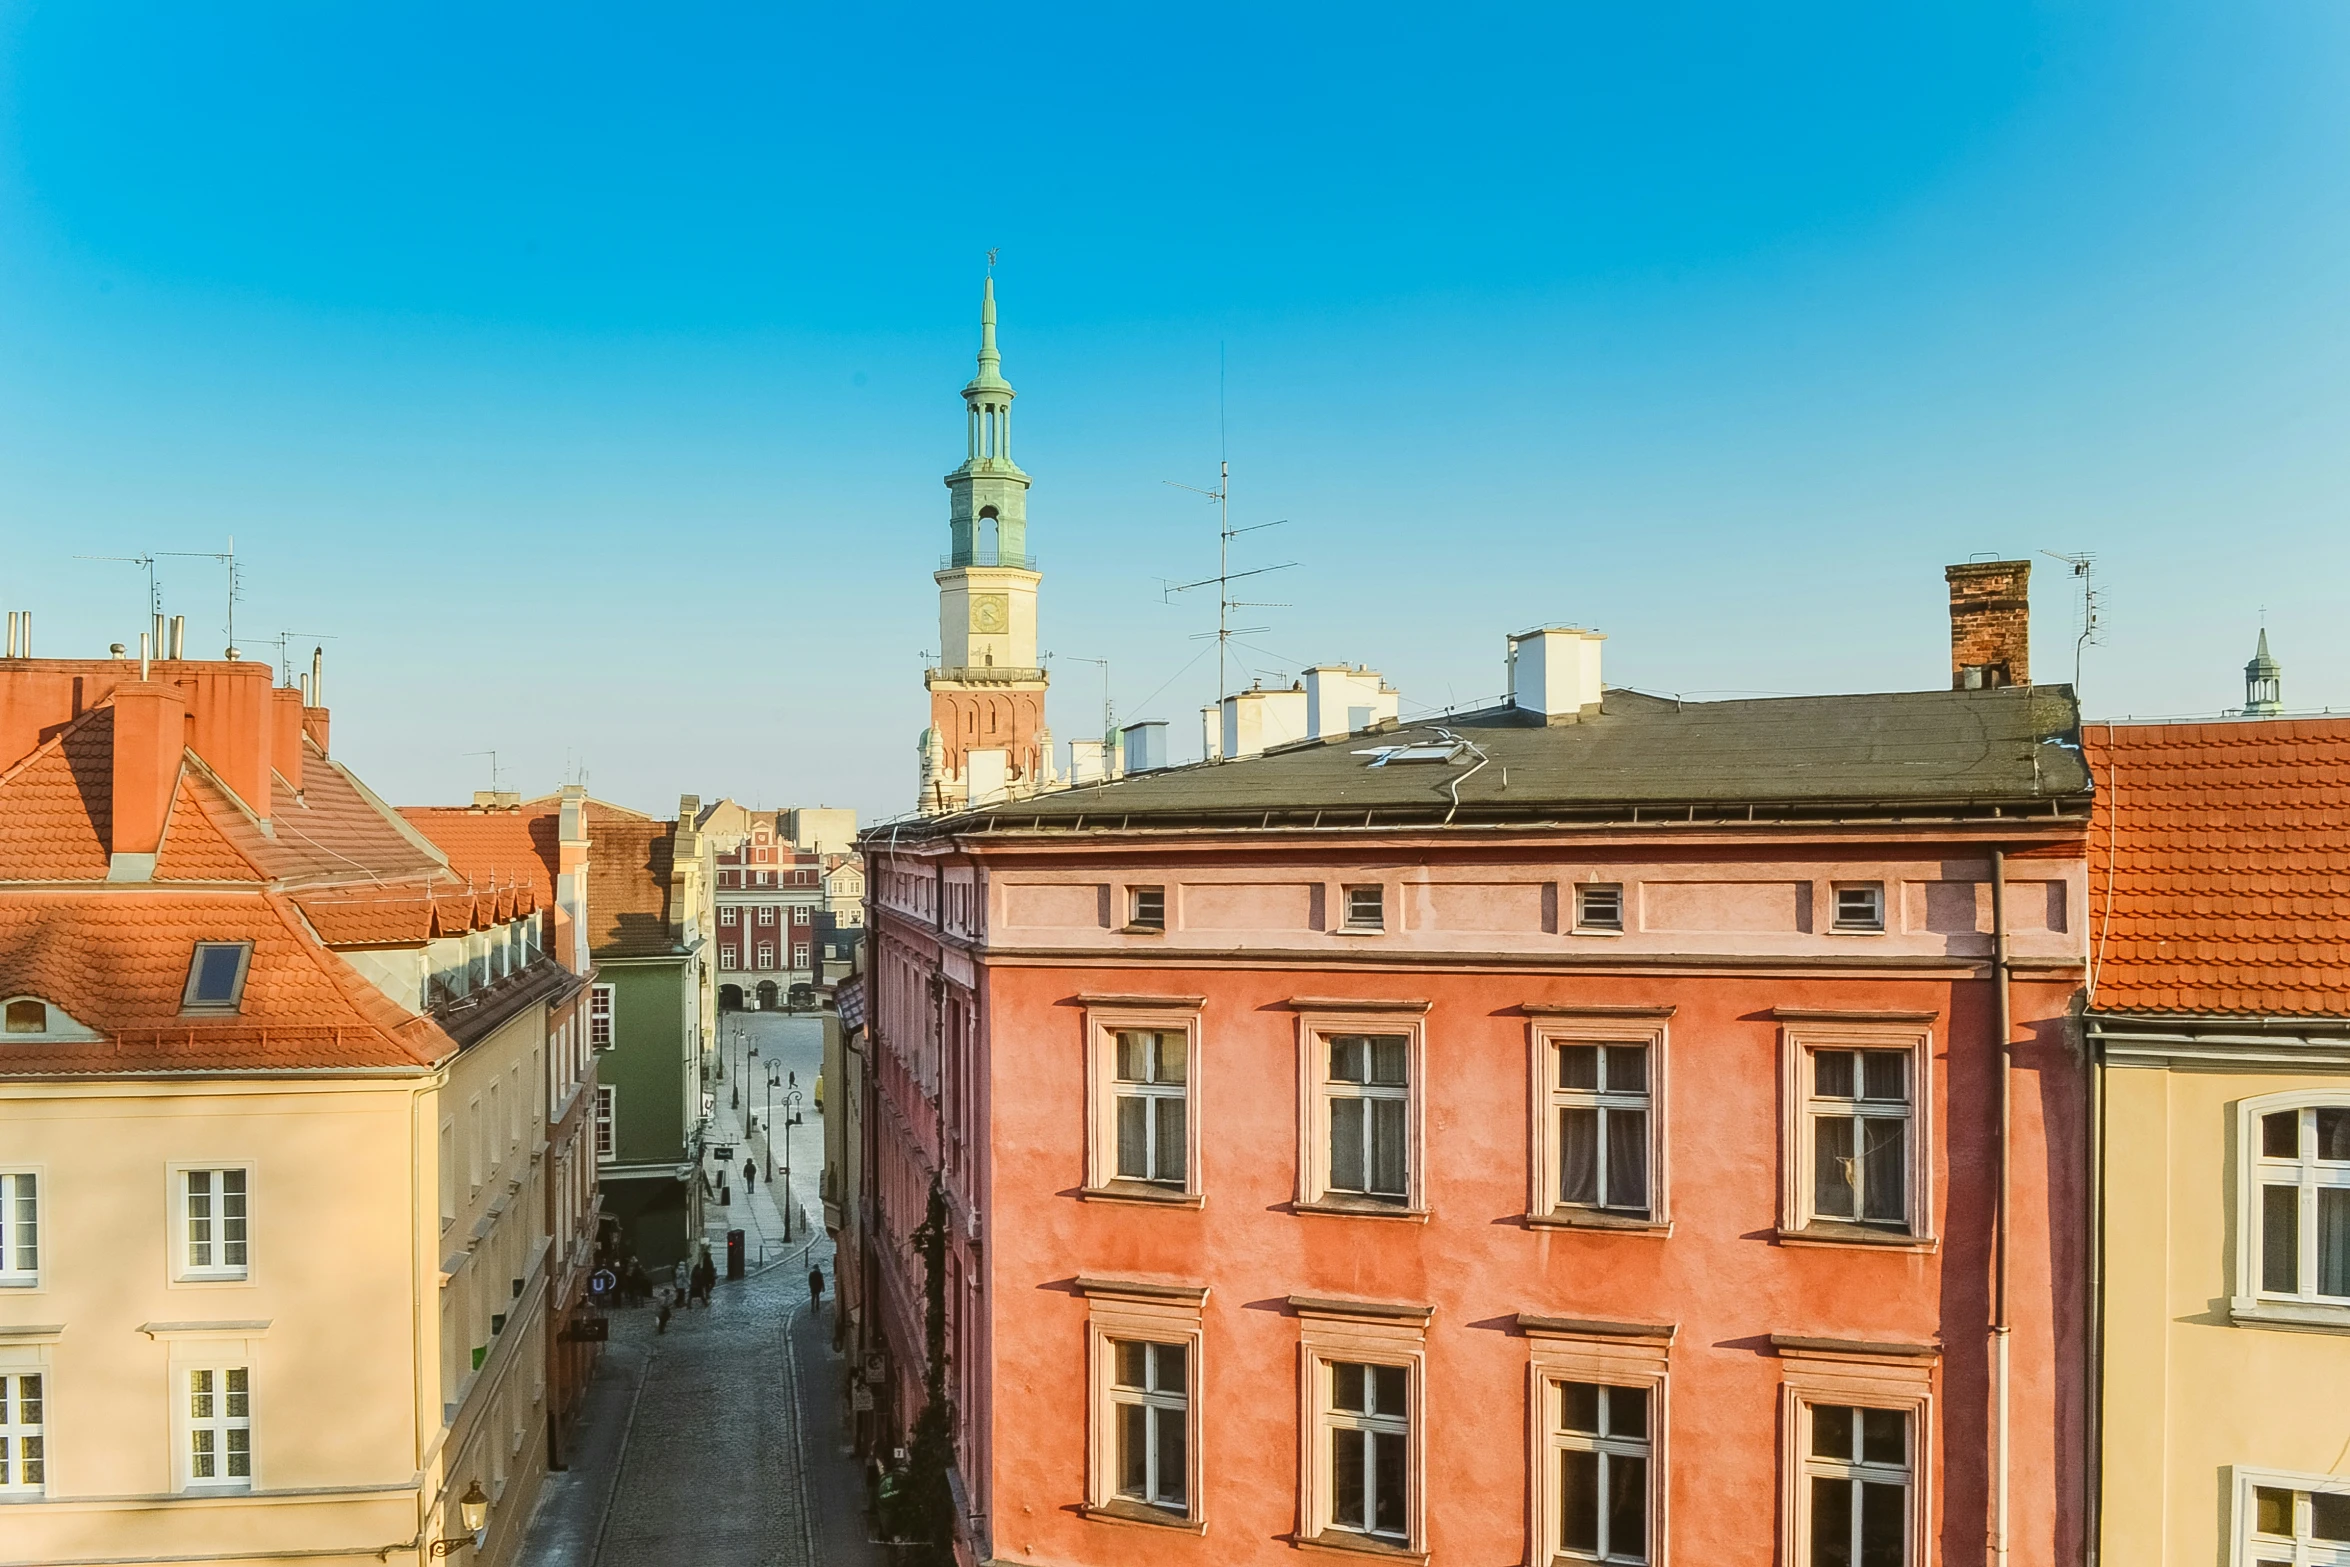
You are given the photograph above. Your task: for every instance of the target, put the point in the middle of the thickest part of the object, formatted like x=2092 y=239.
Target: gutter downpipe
x=2000 y=1327
x=2093 y=1510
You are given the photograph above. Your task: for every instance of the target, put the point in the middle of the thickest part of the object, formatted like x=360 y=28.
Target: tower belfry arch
x=987 y=738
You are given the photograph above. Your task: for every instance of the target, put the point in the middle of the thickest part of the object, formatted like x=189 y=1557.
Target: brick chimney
x=1990 y=624
x=150 y=733
x=285 y=736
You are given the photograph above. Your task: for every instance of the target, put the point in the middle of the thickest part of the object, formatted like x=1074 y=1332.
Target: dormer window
x=216 y=976
x=28 y=1017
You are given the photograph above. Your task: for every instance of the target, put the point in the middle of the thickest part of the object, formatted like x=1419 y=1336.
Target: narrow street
x=722 y=1442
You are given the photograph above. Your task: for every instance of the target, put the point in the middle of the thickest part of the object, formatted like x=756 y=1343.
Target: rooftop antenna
x=1225 y=533
x=154 y=594
x=236 y=587
x=2091 y=600
x=285 y=666
x=1109 y=714
x=493 y=756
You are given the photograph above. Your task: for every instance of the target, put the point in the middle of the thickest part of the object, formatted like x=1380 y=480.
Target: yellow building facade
x=2219 y=1014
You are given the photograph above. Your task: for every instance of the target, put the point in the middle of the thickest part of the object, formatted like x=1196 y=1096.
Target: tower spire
x=990 y=377
x=2264 y=695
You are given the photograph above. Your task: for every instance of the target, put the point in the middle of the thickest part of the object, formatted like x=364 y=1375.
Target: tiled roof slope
x=2219 y=867
x=629 y=861
x=57 y=805
x=195 y=848
x=495 y=847
x=117 y=961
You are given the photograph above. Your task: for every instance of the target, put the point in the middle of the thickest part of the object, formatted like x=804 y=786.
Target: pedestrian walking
x=750 y=1174
x=661 y=1316
x=816 y=1289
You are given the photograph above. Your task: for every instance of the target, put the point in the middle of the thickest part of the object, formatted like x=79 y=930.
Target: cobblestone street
x=721 y=1443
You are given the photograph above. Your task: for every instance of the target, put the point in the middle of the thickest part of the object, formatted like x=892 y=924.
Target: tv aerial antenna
x=1109 y=714
x=494 y=776
x=1225 y=533
x=285 y=667
x=147 y=562
x=236 y=583
x=2092 y=600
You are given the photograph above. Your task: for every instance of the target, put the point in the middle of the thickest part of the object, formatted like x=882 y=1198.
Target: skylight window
x=1439 y=751
x=216 y=976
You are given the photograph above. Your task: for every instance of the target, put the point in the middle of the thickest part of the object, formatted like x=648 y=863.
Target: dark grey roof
x=2007 y=751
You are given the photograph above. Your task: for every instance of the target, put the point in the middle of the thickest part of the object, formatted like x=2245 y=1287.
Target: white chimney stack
x=1343 y=700
x=1554 y=671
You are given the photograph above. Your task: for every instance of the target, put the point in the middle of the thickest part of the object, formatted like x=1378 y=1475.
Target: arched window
x=987 y=536
x=2293 y=1215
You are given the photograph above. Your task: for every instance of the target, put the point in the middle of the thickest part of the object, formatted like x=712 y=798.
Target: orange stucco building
x=1569 y=1132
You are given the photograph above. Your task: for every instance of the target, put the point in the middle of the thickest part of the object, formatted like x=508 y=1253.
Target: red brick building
x=1597 y=1128
x=768 y=897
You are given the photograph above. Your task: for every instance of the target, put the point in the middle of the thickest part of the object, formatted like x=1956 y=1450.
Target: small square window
x=1860 y=906
x=1366 y=908
x=1146 y=908
x=28 y=1017
x=1599 y=905
x=216 y=976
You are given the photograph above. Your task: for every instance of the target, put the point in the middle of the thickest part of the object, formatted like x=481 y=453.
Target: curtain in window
x=1884 y=1170
x=1387 y=1147
x=1578 y=1154
x=2333 y=1241
x=1170 y=1149
x=1627 y=1159
x=2280 y=1239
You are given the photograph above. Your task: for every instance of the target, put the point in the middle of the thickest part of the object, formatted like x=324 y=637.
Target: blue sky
x=589 y=374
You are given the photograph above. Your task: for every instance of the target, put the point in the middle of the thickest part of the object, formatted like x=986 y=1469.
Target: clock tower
x=987 y=739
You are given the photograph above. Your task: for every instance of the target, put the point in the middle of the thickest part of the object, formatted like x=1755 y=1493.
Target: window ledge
x=1143 y=1514
x=1360 y=930
x=1596 y=930
x=1142 y=930
x=1828 y=1232
x=1142 y=1192
x=1357 y=1208
x=1359 y=1545
x=2294 y=1316
x=1598 y=1219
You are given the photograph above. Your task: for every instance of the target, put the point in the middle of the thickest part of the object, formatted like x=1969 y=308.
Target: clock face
x=991 y=612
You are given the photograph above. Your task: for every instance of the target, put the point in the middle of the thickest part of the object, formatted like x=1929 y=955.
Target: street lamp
x=791 y=1116
x=473 y=1511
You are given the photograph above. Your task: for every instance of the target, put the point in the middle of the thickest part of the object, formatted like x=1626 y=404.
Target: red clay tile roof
x=393 y=917
x=57 y=805
x=335 y=830
x=495 y=847
x=628 y=885
x=2223 y=851
x=117 y=961
x=195 y=848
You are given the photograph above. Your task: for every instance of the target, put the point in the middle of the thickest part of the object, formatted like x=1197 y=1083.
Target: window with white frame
x=1142 y=1075
x=1602 y=1126
x=1150 y=1399
x=2299 y=1219
x=726 y=958
x=1142 y=1451
x=20 y=1228
x=1600 y=1456
x=1364 y=1437
x=1151 y=1098
x=600 y=1017
x=219 y=1426
x=726 y=914
x=213 y=1221
x=766 y=914
x=766 y=955
x=1856 y=1500
x=1860 y=906
x=799 y=955
x=1855 y=1156
x=2287 y=1520
x=606 y=1110
x=24 y=1463
x=1366 y=1094
x=1599 y=906
x=1146 y=908
x=1366 y=1441
x=1366 y=909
